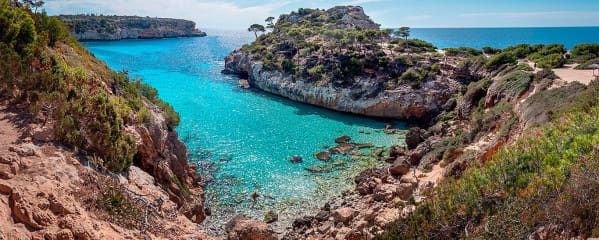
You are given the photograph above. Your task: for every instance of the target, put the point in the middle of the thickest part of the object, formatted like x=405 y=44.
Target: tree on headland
x=255 y=28
x=402 y=32
x=270 y=23
x=34 y=4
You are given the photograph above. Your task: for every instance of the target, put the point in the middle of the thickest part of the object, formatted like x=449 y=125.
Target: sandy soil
x=569 y=74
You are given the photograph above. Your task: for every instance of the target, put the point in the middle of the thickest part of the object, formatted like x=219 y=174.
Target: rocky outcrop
x=242 y=228
x=51 y=195
x=102 y=28
x=164 y=156
x=401 y=103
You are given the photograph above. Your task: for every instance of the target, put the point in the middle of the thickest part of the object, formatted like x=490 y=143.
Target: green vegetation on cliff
x=50 y=72
x=337 y=46
x=546 y=178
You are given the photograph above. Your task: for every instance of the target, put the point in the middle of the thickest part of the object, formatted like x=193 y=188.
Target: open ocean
x=504 y=37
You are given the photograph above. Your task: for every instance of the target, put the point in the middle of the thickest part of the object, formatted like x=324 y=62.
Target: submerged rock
x=342 y=139
x=342 y=148
x=319 y=169
x=296 y=159
x=323 y=156
x=271 y=217
x=364 y=145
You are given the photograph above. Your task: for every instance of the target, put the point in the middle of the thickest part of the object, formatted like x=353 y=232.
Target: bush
x=491 y=50
x=551 y=61
x=500 y=60
x=462 y=52
x=585 y=52
x=412 y=77
x=524 y=67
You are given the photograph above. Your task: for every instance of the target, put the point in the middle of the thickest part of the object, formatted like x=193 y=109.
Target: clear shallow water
x=504 y=37
x=243 y=139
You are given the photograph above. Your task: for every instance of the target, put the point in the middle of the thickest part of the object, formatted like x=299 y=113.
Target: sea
x=243 y=140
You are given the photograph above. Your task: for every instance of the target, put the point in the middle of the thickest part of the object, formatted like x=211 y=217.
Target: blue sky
x=238 y=14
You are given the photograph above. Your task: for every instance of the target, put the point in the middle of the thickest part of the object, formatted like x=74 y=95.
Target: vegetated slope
x=339 y=59
x=66 y=97
x=99 y=27
x=475 y=171
x=542 y=186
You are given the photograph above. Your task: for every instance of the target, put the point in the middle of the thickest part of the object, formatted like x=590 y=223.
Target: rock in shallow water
x=271 y=217
x=323 y=156
x=343 y=139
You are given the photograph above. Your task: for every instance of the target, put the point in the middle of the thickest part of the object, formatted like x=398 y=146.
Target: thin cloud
x=573 y=14
x=207 y=14
x=418 y=18
x=359 y=2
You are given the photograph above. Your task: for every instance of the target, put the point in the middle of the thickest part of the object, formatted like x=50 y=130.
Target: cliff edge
x=86 y=27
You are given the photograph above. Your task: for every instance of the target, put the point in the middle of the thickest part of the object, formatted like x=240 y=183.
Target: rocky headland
x=339 y=59
x=485 y=119
x=102 y=28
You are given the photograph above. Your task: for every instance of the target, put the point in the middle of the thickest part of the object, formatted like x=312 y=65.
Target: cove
x=242 y=140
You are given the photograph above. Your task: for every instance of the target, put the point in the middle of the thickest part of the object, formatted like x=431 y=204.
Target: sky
x=239 y=14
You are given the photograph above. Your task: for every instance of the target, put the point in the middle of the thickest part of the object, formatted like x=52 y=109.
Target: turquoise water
x=242 y=139
x=504 y=37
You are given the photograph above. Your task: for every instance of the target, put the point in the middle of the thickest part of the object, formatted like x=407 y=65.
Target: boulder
x=242 y=228
x=389 y=129
x=400 y=167
x=414 y=137
x=344 y=215
x=244 y=83
x=405 y=190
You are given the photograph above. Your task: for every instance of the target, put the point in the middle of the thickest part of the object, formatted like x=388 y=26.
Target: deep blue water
x=246 y=136
x=504 y=37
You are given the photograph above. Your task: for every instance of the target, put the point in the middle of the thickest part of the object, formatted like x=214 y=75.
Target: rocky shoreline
x=110 y=28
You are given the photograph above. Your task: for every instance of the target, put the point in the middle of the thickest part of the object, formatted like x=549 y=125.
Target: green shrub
x=524 y=67
x=462 y=52
x=491 y=50
x=551 y=61
x=412 y=77
x=501 y=59
x=585 y=52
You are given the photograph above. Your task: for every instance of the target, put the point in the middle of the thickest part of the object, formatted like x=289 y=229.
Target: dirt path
x=569 y=74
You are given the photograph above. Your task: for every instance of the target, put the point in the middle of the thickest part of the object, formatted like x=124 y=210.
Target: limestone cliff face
x=124 y=27
x=365 y=97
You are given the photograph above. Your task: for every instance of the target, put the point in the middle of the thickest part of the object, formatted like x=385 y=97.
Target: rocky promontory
x=90 y=27
x=340 y=59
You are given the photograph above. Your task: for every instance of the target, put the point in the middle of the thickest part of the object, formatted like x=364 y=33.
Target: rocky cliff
x=85 y=152
x=339 y=59
x=86 y=27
